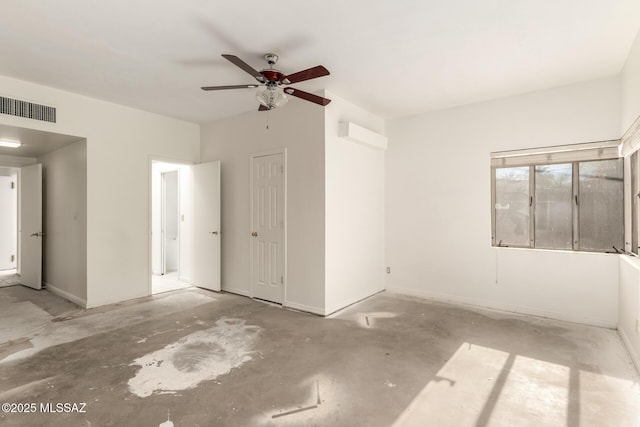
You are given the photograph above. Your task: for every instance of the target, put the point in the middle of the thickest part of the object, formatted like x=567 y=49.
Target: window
x=512 y=206
x=553 y=212
x=570 y=205
x=601 y=206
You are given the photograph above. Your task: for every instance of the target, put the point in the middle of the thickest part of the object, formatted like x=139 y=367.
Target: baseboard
x=346 y=303
x=66 y=295
x=635 y=357
x=109 y=301
x=302 y=307
x=476 y=303
x=237 y=291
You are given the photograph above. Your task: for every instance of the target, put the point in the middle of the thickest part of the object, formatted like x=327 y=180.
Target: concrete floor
x=167 y=282
x=8 y=278
x=206 y=359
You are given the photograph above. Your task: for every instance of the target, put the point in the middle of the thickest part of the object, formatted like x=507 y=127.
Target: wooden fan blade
x=263 y=108
x=228 y=87
x=244 y=66
x=303 y=75
x=307 y=96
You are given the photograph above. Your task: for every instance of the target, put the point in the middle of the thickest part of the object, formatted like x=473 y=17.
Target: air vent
x=28 y=110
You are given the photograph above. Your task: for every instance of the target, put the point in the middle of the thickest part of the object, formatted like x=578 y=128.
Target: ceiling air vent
x=28 y=110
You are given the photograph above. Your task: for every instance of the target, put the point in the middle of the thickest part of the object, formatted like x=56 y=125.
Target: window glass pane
x=553 y=206
x=601 y=205
x=512 y=206
x=634 y=202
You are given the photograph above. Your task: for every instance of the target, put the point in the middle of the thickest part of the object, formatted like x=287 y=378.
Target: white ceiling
x=394 y=58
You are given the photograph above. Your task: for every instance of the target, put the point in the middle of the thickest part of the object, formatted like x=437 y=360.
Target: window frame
x=575 y=203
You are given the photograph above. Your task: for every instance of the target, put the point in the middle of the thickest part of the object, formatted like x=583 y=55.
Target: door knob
x=254 y=234
x=213 y=232
x=40 y=234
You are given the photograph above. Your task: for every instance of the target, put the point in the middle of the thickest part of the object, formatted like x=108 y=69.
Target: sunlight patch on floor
x=479 y=385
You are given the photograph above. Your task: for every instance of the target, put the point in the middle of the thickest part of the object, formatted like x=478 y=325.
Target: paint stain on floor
x=23 y=320
x=318 y=402
x=201 y=356
x=369 y=319
x=10 y=347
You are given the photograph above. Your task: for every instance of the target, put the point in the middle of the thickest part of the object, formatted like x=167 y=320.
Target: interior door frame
x=153 y=159
x=283 y=151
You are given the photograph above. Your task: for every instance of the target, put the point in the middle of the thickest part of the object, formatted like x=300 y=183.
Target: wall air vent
x=28 y=110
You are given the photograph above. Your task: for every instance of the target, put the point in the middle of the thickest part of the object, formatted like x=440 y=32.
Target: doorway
x=49 y=171
x=170 y=263
x=188 y=254
x=21 y=226
x=268 y=226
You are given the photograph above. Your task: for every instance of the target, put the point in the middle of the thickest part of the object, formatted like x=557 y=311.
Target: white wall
x=64 y=176
x=630 y=305
x=438 y=207
x=631 y=86
x=185 y=179
x=354 y=208
x=120 y=141
x=299 y=127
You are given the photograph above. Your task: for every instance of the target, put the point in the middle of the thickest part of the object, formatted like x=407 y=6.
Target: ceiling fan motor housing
x=271 y=58
x=273 y=77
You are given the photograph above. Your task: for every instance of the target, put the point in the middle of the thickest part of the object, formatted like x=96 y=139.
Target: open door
x=30 y=233
x=206 y=225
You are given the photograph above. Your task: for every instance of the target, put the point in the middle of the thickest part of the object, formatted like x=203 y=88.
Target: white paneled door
x=30 y=260
x=206 y=225
x=267 y=227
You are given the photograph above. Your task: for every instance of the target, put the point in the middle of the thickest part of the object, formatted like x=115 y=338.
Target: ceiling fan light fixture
x=9 y=144
x=271 y=97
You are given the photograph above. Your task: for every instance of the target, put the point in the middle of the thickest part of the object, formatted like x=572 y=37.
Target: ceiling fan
x=276 y=83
